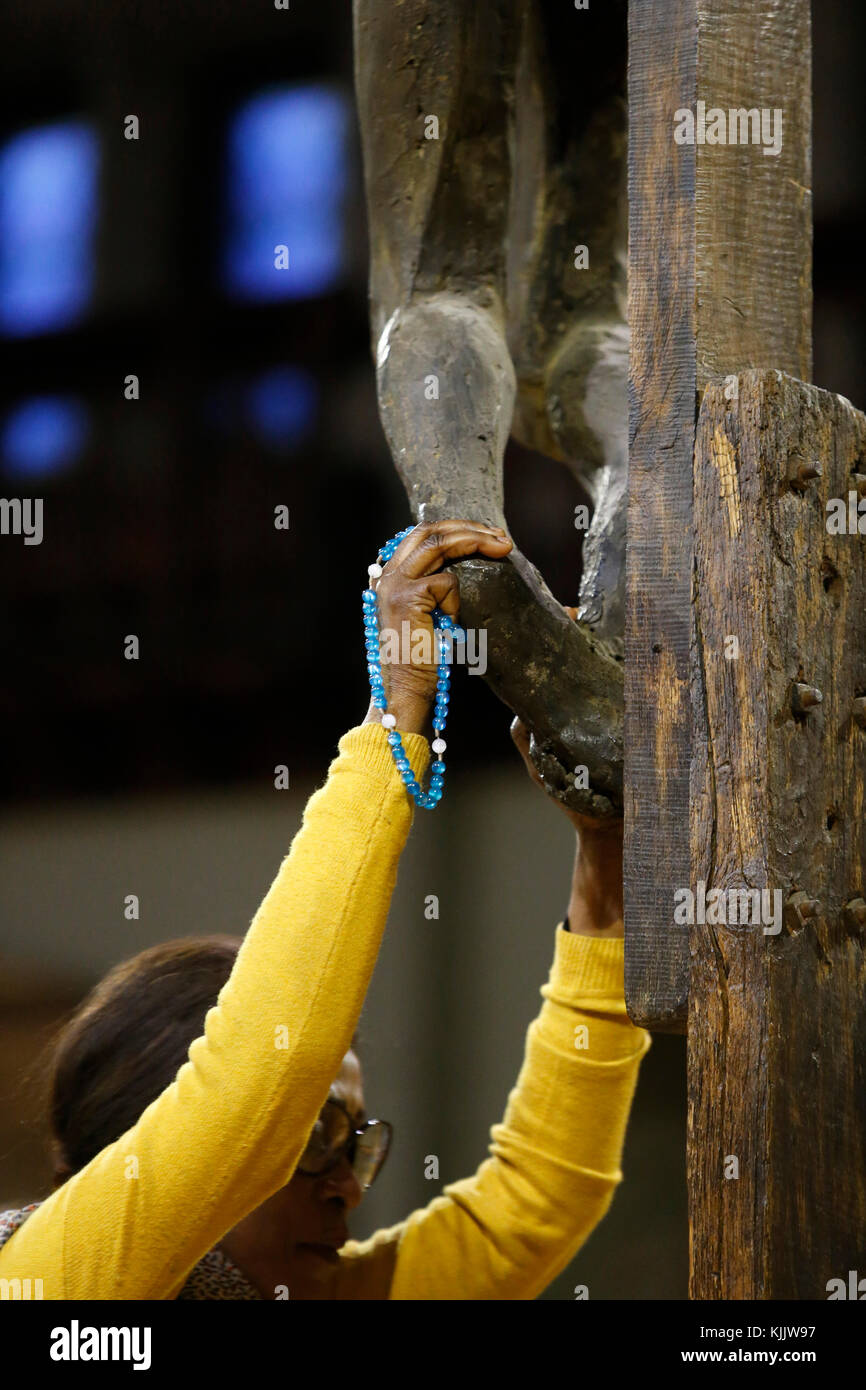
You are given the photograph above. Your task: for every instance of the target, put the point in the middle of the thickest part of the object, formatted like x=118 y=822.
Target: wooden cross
x=742 y=782
x=745 y=670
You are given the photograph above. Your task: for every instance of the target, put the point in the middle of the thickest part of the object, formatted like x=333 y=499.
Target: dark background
x=161 y=525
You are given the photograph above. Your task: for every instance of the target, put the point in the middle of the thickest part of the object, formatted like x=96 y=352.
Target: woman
x=229 y=1174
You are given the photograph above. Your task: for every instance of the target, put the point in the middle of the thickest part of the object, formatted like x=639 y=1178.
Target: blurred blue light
x=287 y=180
x=43 y=435
x=48 y=207
x=281 y=406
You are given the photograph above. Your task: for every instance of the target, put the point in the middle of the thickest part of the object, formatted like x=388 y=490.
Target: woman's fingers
x=435 y=544
x=520 y=738
x=444 y=592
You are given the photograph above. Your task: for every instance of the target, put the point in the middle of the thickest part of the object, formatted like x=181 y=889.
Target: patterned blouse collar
x=214 y=1277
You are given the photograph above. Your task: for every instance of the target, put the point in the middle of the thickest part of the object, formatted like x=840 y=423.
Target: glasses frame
x=349 y=1147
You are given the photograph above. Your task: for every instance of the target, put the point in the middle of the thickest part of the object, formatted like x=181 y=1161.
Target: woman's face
x=294 y=1236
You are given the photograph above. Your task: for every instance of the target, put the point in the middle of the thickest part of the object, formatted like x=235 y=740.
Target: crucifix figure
x=497 y=211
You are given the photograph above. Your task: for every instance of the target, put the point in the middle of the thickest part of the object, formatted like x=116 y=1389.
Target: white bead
x=439 y=745
x=389 y=721
x=374 y=571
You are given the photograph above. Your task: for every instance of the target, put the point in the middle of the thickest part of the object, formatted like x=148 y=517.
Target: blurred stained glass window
x=43 y=436
x=48 y=210
x=287 y=177
x=282 y=405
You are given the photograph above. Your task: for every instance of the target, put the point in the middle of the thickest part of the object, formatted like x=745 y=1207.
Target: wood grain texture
x=777 y=1023
x=719 y=281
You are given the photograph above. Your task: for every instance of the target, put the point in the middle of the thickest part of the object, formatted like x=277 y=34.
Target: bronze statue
x=494 y=138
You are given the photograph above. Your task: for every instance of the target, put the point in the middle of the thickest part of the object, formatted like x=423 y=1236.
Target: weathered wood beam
x=777 y=1008
x=719 y=281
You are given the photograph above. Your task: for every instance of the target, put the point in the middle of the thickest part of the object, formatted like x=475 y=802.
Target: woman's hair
x=126 y=1043
x=128 y=1040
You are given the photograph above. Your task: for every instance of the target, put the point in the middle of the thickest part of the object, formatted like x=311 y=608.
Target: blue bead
x=438 y=724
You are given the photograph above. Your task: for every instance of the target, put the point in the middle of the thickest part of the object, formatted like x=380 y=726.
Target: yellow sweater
x=230 y=1129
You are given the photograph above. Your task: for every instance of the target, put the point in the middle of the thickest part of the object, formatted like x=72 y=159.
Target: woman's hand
x=412 y=584
x=596 y=906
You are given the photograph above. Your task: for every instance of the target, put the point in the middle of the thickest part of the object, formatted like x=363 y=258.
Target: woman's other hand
x=596 y=904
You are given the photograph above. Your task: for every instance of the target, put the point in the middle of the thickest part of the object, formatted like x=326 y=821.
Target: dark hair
x=128 y=1040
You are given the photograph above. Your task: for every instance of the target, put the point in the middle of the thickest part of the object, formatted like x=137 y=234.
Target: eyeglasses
x=335 y=1134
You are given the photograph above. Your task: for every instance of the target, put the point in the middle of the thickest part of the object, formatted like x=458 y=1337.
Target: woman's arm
x=229 y=1130
x=554 y=1162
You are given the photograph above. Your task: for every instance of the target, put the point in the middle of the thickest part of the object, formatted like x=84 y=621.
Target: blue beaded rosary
x=445 y=632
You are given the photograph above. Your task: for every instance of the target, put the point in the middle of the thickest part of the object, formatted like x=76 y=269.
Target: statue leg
x=568 y=274
x=436 y=87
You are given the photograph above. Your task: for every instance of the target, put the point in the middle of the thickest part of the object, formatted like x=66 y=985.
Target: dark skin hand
x=595 y=906
x=412 y=584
